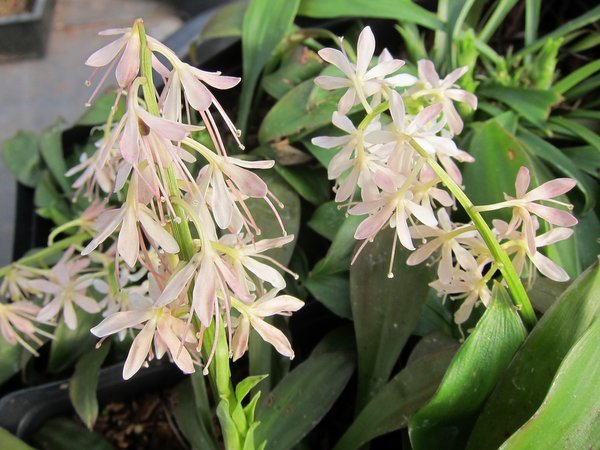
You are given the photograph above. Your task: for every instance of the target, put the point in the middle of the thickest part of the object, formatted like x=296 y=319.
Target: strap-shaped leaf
x=527 y=380
x=385 y=310
x=568 y=417
x=9 y=441
x=446 y=421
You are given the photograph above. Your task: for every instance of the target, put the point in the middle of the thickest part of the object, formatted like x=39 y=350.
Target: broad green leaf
x=435 y=317
x=50 y=202
x=323 y=155
x=265 y=25
x=68 y=345
x=586 y=158
x=244 y=387
x=202 y=406
x=544 y=292
x=302 y=398
x=226 y=22
x=498 y=157
x=526 y=381
x=446 y=420
x=83 y=383
x=399 y=399
x=404 y=10
x=191 y=424
x=586 y=235
x=62 y=433
x=52 y=152
x=327 y=219
x=532 y=20
x=10 y=441
x=568 y=417
x=99 y=110
x=333 y=291
x=385 y=311
x=578 y=129
x=21 y=155
x=532 y=104
x=292 y=117
x=554 y=157
x=231 y=436
x=339 y=254
x=10 y=359
x=310 y=182
x=298 y=64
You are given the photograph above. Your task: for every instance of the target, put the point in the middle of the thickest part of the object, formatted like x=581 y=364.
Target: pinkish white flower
x=18 y=325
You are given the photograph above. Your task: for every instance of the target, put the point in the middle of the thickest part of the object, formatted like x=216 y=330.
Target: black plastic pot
x=24 y=412
x=26 y=34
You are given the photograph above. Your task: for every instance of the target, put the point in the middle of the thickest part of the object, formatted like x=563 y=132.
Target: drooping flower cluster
x=383 y=169
x=180 y=252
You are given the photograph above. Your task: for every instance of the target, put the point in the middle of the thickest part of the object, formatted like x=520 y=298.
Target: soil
x=144 y=423
x=12 y=7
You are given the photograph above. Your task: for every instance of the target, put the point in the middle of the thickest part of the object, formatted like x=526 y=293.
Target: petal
x=129 y=64
x=460 y=95
x=553 y=215
x=329 y=141
x=214 y=79
x=205 y=292
x=139 y=350
x=264 y=272
x=365 y=49
x=373 y=224
x=247 y=182
x=277 y=305
x=240 y=338
x=156 y=232
x=453 y=76
x=384 y=68
x=69 y=315
x=196 y=93
x=107 y=53
x=553 y=236
x=428 y=73
x=338 y=59
x=177 y=283
x=551 y=189
x=423 y=252
x=272 y=335
x=86 y=303
x=121 y=321
x=454 y=120
x=50 y=311
x=522 y=182
x=178 y=352
x=128 y=242
x=549 y=268
x=329 y=82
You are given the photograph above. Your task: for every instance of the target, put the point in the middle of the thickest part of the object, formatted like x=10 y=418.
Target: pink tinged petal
x=214 y=79
x=549 y=268
x=347 y=101
x=128 y=244
x=453 y=76
x=401 y=80
x=365 y=49
x=168 y=129
x=348 y=186
x=205 y=292
x=398 y=111
x=69 y=315
x=220 y=201
x=553 y=236
x=553 y=215
x=529 y=231
x=50 y=311
x=445 y=267
x=423 y=252
x=177 y=284
x=240 y=338
x=343 y=122
x=522 y=182
x=264 y=272
x=171 y=106
x=384 y=68
x=129 y=65
x=442 y=197
x=402 y=230
x=373 y=224
x=428 y=73
x=385 y=179
x=465 y=309
x=247 y=182
x=129 y=142
x=460 y=95
x=156 y=232
x=265 y=164
x=106 y=54
x=464 y=258
x=45 y=286
x=329 y=141
x=454 y=120
x=426 y=115
x=424 y=214
x=329 y=82
x=338 y=59
x=121 y=321
x=277 y=305
x=86 y=303
x=196 y=93
x=551 y=189
x=114 y=217
x=272 y=335
x=113 y=31
x=180 y=355
x=139 y=350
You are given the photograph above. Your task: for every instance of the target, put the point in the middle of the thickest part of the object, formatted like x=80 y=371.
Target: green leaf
x=202 y=406
x=578 y=129
x=189 y=421
x=576 y=77
x=68 y=345
x=297 y=65
x=302 y=398
x=333 y=291
x=398 y=400
x=311 y=183
x=531 y=104
x=568 y=417
x=497 y=18
x=327 y=219
x=227 y=21
x=292 y=117
x=586 y=158
x=83 y=383
x=339 y=254
x=385 y=312
x=526 y=381
x=435 y=317
x=556 y=158
x=10 y=359
x=21 y=156
x=52 y=152
x=472 y=375
x=10 y=441
x=62 y=433
x=244 y=387
x=404 y=10
x=51 y=204
x=265 y=25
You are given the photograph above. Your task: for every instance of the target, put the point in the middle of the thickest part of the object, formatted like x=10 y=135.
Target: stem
x=503 y=262
x=48 y=251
